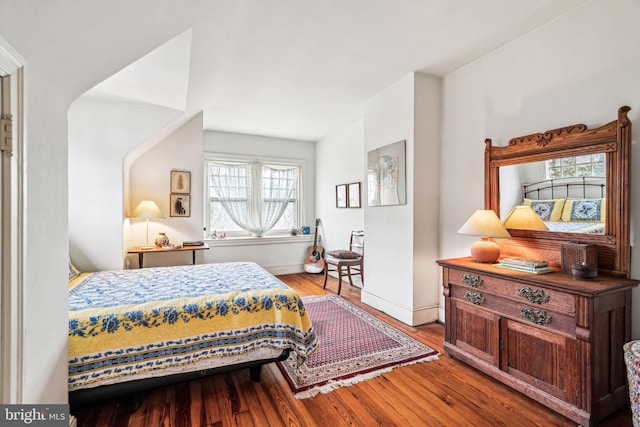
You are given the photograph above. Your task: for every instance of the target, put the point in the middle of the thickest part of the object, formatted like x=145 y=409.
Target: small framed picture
x=180 y=182
x=341 y=196
x=353 y=195
x=180 y=205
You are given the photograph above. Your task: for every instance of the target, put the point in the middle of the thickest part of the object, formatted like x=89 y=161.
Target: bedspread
x=576 y=227
x=131 y=321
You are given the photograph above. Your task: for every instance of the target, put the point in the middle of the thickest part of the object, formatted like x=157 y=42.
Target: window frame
x=266 y=161
x=592 y=163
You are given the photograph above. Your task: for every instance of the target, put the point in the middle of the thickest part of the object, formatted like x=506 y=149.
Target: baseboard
x=411 y=316
x=277 y=270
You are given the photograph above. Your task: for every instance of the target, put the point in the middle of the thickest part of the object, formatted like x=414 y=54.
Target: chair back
x=356 y=242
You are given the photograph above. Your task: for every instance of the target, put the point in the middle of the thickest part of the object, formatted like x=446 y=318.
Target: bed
x=134 y=329
x=569 y=205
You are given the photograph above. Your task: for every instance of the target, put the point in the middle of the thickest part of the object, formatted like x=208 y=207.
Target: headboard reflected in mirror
x=577 y=180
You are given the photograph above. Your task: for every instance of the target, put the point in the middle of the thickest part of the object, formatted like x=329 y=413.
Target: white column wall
x=399 y=276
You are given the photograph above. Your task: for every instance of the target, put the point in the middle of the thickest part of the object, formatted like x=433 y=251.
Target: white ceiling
x=302 y=69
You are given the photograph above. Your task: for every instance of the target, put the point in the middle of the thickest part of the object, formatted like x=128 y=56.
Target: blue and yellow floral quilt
x=131 y=321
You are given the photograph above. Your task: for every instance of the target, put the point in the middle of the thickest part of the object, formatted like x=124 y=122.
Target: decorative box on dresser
x=549 y=336
x=557 y=339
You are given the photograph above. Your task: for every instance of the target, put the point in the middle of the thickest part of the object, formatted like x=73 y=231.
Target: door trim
x=12 y=223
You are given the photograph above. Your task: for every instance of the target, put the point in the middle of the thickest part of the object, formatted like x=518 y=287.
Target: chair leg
x=339 y=279
x=326 y=274
x=349 y=274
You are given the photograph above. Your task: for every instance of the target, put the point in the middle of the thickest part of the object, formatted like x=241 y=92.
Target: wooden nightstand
x=140 y=250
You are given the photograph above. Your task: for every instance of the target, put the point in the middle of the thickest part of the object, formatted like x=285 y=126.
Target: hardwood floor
x=444 y=392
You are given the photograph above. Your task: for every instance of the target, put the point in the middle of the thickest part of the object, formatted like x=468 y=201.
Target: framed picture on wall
x=180 y=205
x=180 y=182
x=341 y=196
x=386 y=175
x=353 y=195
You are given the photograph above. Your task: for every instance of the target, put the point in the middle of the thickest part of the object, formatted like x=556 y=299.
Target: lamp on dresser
x=485 y=224
x=524 y=218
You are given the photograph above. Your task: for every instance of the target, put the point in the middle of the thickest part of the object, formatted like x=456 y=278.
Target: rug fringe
x=335 y=384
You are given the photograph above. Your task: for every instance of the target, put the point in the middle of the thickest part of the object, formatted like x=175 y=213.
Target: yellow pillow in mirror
x=556 y=212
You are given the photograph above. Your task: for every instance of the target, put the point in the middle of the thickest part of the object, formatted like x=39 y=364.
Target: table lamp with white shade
x=486 y=224
x=147 y=209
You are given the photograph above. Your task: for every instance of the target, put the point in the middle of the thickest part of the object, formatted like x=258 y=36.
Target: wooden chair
x=343 y=261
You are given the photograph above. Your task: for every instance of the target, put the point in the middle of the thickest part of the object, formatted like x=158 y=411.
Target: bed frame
x=131 y=392
x=578 y=187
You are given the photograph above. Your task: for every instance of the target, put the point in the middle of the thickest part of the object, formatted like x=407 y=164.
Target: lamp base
x=485 y=250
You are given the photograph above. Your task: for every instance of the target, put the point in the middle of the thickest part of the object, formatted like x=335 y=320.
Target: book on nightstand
x=193 y=243
x=524 y=262
x=532 y=270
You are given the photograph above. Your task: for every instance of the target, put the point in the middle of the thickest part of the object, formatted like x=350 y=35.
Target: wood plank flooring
x=444 y=392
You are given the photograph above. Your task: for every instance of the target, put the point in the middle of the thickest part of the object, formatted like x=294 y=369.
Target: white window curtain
x=253 y=195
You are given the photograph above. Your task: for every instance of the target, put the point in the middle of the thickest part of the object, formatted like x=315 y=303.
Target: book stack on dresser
x=529 y=265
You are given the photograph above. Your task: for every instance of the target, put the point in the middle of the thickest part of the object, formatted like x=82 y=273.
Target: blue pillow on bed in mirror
x=543 y=209
x=586 y=210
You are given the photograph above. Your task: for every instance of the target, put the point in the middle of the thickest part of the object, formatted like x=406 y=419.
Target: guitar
x=314 y=263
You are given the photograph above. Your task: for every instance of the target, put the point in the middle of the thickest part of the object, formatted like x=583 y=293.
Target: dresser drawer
x=536 y=296
x=523 y=311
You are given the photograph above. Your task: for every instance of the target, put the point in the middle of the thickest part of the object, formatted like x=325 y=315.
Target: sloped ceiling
x=301 y=69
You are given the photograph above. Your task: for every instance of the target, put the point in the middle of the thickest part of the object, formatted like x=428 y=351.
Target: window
x=587 y=165
x=252 y=198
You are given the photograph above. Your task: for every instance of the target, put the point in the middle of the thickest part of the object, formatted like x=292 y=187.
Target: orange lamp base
x=485 y=250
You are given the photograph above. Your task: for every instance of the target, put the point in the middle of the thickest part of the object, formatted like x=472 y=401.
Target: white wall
x=101 y=133
x=400 y=275
x=149 y=179
x=340 y=159
x=262 y=146
x=426 y=194
x=577 y=69
x=278 y=255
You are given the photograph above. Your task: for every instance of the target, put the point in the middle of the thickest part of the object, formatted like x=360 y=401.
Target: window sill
x=266 y=240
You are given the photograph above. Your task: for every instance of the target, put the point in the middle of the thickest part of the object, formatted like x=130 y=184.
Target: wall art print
x=353 y=195
x=386 y=176
x=341 y=196
x=180 y=205
x=180 y=182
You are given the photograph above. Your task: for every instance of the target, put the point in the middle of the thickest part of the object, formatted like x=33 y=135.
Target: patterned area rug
x=353 y=346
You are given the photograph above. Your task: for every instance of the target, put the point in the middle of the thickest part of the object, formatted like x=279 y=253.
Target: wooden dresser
x=556 y=339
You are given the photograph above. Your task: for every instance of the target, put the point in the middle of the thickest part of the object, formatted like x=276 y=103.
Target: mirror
x=595 y=206
x=568 y=194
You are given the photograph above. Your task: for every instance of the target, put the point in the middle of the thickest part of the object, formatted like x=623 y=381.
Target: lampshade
x=484 y=223
x=147 y=209
x=524 y=218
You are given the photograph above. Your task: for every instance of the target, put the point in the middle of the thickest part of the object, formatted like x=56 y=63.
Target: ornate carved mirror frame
x=614 y=139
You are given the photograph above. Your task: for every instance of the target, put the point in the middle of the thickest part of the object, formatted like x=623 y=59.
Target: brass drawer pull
x=537 y=316
x=535 y=297
x=474 y=297
x=472 y=280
